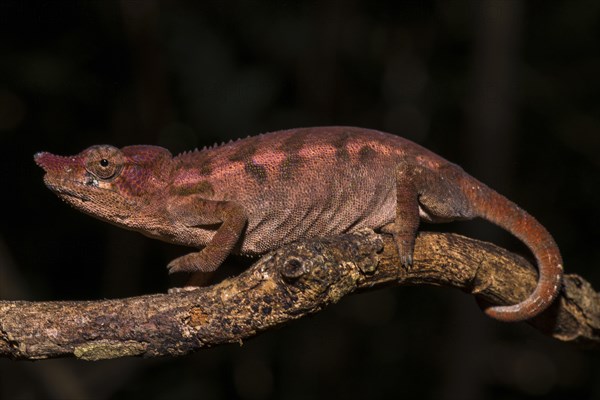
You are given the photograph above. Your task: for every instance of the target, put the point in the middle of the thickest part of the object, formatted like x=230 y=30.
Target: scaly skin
x=256 y=194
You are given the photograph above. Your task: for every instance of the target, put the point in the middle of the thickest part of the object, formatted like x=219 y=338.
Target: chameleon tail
x=497 y=209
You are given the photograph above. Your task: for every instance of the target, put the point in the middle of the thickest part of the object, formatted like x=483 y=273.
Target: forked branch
x=299 y=279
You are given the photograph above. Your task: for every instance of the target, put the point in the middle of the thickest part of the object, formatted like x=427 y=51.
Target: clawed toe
x=405 y=246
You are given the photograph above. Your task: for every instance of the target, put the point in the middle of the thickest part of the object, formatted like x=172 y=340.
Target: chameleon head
x=106 y=182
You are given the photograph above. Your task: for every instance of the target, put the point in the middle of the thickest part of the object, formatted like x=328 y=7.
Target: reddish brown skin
x=256 y=194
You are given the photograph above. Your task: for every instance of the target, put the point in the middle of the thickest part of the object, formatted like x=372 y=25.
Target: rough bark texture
x=284 y=285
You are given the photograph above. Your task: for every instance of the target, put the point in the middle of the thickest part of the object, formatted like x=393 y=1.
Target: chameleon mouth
x=65 y=189
x=57 y=170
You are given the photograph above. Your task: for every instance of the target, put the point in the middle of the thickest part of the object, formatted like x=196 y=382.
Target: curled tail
x=497 y=209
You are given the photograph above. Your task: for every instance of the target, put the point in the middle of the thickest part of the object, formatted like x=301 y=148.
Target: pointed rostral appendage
x=256 y=194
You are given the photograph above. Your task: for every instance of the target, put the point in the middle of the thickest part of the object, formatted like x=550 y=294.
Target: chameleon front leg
x=196 y=211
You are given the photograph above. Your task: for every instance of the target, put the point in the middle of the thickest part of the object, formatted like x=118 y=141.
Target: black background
x=509 y=90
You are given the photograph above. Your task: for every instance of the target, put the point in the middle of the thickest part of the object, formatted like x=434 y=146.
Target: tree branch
x=284 y=285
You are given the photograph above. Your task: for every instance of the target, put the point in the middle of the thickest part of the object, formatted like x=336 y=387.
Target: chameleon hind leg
x=434 y=195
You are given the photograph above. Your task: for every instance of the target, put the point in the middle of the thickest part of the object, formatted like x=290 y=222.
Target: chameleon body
x=255 y=194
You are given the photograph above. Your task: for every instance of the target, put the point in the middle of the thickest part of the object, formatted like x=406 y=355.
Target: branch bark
x=284 y=285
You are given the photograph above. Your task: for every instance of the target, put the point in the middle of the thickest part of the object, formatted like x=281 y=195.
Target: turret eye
x=105 y=162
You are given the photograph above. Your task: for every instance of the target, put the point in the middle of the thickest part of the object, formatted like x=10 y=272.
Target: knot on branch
x=311 y=266
x=293 y=268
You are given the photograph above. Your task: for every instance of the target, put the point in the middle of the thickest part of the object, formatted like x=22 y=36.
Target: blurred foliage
x=184 y=74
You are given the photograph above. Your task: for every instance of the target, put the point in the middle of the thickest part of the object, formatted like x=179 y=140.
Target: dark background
x=508 y=89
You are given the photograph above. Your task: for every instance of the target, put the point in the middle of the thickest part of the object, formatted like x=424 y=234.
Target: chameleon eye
x=105 y=162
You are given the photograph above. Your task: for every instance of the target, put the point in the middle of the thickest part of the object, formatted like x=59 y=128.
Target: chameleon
x=253 y=195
